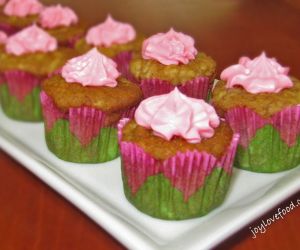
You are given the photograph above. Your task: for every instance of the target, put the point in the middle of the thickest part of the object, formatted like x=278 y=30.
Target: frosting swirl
x=262 y=74
x=3 y=37
x=170 y=48
x=29 y=40
x=110 y=32
x=91 y=69
x=55 y=16
x=2 y=2
x=175 y=114
x=22 y=8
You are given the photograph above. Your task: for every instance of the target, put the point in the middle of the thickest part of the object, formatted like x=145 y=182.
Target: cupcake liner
x=83 y=135
x=123 y=59
x=70 y=42
x=184 y=186
x=267 y=144
x=29 y=109
x=20 y=83
x=196 y=88
x=20 y=95
x=8 y=29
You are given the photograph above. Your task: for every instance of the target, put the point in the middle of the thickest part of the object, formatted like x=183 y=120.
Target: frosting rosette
x=22 y=8
x=110 y=32
x=170 y=48
x=3 y=37
x=29 y=40
x=91 y=69
x=262 y=74
x=56 y=16
x=175 y=114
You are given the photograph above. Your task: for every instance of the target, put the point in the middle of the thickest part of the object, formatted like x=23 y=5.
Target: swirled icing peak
x=110 y=32
x=175 y=114
x=169 y=48
x=29 y=40
x=91 y=69
x=262 y=74
x=56 y=16
x=22 y=8
x=3 y=37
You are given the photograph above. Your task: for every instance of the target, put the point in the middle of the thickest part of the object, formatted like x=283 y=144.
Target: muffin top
x=260 y=84
x=33 y=50
x=173 y=57
x=92 y=80
x=171 y=123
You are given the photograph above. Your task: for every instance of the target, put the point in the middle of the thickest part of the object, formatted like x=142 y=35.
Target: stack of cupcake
x=109 y=92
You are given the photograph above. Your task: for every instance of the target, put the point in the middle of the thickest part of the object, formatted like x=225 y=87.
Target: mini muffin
x=61 y=23
x=28 y=57
x=171 y=59
x=18 y=14
x=82 y=107
x=262 y=103
x=176 y=157
x=114 y=39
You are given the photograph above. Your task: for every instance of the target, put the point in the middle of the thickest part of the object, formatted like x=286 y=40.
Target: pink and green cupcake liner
x=199 y=87
x=80 y=134
x=19 y=91
x=184 y=186
x=267 y=145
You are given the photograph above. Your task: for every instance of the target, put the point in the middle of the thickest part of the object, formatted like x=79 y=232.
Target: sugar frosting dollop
x=3 y=37
x=175 y=114
x=56 y=16
x=110 y=32
x=262 y=74
x=29 y=40
x=170 y=48
x=22 y=8
x=91 y=69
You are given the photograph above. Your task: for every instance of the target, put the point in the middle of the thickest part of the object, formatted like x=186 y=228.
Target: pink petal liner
x=246 y=122
x=20 y=83
x=196 y=88
x=123 y=59
x=186 y=171
x=84 y=122
x=8 y=29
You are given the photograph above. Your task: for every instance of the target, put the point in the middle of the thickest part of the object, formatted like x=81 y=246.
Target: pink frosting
x=3 y=37
x=22 y=8
x=169 y=48
x=91 y=69
x=55 y=16
x=262 y=74
x=29 y=40
x=110 y=32
x=175 y=114
x=2 y=2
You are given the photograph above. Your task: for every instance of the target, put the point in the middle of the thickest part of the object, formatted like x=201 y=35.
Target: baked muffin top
x=162 y=149
x=63 y=33
x=108 y=99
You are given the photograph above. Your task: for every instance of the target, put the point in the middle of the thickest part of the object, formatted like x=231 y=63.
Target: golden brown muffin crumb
x=38 y=63
x=62 y=34
x=18 y=22
x=66 y=95
x=264 y=104
x=202 y=65
x=162 y=149
x=111 y=51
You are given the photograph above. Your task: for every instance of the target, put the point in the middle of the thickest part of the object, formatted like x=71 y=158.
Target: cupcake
x=262 y=103
x=114 y=39
x=18 y=14
x=61 y=23
x=176 y=157
x=82 y=107
x=170 y=60
x=27 y=58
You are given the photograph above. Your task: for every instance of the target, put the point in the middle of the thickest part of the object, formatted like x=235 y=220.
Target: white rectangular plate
x=96 y=189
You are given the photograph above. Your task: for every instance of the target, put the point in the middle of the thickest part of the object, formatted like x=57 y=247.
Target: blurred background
x=224 y=29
